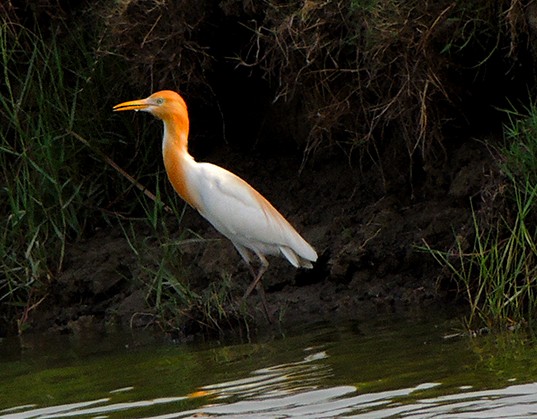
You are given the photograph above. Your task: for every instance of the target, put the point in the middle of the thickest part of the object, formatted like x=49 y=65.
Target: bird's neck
x=180 y=165
x=176 y=127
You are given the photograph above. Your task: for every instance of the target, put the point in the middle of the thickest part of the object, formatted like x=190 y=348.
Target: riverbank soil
x=372 y=126
x=370 y=260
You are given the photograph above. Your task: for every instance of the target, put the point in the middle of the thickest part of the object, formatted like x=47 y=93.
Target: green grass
x=159 y=259
x=171 y=297
x=40 y=197
x=520 y=150
x=498 y=275
x=51 y=186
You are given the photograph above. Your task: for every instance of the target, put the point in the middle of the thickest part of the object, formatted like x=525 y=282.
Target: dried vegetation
x=388 y=79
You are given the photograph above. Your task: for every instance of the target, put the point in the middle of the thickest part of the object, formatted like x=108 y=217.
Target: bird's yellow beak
x=133 y=105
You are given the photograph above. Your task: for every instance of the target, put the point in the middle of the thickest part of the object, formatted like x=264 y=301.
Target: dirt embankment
x=367 y=242
x=368 y=126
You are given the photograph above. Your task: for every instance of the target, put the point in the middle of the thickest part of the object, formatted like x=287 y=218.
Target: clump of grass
x=520 y=150
x=47 y=178
x=39 y=197
x=498 y=274
x=174 y=301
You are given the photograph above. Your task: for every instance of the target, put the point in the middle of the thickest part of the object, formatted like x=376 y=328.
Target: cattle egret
x=229 y=203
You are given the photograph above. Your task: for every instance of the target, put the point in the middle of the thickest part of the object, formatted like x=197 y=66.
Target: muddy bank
x=368 y=242
x=387 y=106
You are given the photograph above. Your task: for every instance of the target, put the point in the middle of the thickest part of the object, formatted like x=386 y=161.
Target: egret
x=228 y=202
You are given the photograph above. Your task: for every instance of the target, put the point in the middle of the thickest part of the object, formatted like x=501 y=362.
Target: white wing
x=244 y=216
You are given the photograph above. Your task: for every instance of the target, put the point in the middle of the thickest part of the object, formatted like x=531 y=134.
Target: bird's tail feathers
x=296 y=260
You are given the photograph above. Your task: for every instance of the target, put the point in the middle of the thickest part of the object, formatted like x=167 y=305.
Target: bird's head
x=161 y=104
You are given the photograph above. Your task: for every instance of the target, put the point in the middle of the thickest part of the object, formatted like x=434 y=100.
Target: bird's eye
x=160 y=101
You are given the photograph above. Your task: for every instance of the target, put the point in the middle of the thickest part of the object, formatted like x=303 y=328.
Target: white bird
x=229 y=203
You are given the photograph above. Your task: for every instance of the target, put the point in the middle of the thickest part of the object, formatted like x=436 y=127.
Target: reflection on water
x=400 y=370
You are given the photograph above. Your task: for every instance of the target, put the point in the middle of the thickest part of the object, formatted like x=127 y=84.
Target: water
x=389 y=367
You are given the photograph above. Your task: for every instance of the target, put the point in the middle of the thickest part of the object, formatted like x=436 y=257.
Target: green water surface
x=390 y=366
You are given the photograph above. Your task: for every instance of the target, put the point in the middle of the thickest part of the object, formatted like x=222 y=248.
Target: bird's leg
x=257 y=276
x=261 y=292
x=256 y=283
